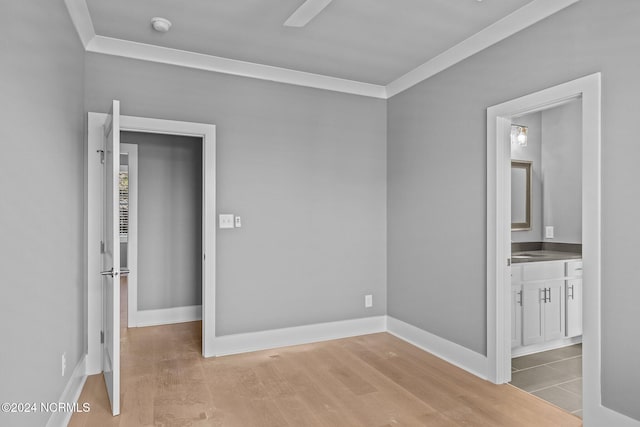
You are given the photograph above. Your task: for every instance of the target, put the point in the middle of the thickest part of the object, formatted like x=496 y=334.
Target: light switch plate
x=226 y=221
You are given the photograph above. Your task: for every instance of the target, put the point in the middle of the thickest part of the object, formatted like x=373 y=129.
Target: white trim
x=168 y=316
x=498 y=230
x=604 y=416
x=183 y=58
x=79 y=13
x=306 y=12
x=71 y=394
x=516 y=21
x=456 y=354
x=132 y=237
x=93 y=209
x=274 y=338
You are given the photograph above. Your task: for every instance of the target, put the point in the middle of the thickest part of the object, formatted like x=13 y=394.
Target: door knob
x=123 y=272
x=107 y=273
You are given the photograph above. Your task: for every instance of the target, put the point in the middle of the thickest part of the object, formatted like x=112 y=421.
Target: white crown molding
x=516 y=21
x=81 y=19
x=147 y=52
x=522 y=18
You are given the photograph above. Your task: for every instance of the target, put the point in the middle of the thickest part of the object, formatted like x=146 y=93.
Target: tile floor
x=554 y=375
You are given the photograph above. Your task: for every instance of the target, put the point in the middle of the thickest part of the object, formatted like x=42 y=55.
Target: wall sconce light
x=519 y=135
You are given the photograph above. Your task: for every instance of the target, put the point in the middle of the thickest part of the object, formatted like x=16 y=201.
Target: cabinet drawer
x=542 y=270
x=574 y=268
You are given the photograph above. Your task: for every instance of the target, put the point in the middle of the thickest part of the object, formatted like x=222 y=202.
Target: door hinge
x=101 y=246
x=101 y=337
x=101 y=155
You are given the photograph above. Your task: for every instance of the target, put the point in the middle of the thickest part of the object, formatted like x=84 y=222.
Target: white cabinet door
x=532 y=313
x=516 y=316
x=574 y=307
x=554 y=318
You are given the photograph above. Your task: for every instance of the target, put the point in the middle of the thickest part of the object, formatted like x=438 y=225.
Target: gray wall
x=169 y=269
x=533 y=153
x=562 y=171
x=437 y=256
x=41 y=219
x=304 y=168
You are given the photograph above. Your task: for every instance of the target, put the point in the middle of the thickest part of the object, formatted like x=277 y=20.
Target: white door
x=516 y=316
x=554 y=319
x=111 y=258
x=533 y=297
x=574 y=307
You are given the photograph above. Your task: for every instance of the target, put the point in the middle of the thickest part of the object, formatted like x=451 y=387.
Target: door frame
x=93 y=182
x=588 y=89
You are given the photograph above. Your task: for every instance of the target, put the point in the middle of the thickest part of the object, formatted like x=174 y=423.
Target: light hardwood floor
x=371 y=380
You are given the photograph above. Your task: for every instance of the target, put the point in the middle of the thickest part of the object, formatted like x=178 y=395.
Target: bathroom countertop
x=542 y=255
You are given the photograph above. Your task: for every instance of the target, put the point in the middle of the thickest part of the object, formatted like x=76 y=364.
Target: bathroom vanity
x=546 y=300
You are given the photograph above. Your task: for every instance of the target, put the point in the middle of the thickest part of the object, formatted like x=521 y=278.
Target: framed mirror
x=520 y=195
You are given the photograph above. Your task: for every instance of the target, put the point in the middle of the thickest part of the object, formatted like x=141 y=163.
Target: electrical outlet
x=238 y=222
x=548 y=232
x=64 y=363
x=368 y=301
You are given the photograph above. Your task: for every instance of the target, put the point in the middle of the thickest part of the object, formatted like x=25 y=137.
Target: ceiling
x=368 y=47
x=373 y=41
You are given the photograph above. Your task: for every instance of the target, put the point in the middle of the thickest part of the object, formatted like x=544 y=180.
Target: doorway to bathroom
x=546 y=254
x=546 y=282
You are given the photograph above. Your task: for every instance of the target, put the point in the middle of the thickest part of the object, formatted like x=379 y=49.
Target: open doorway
x=103 y=143
x=161 y=227
x=546 y=254
x=160 y=244
x=499 y=251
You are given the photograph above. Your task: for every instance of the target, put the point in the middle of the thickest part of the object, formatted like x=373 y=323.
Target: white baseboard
x=602 y=416
x=70 y=394
x=167 y=316
x=456 y=354
x=263 y=340
x=551 y=345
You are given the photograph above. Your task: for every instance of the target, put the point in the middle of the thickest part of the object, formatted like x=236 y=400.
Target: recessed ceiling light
x=161 y=25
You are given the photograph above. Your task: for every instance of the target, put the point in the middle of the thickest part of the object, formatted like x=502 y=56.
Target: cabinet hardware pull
x=571 y=295
x=549 y=294
x=520 y=302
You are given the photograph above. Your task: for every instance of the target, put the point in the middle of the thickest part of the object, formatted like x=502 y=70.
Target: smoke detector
x=161 y=25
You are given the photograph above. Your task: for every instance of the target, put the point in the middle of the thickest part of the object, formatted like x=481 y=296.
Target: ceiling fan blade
x=306 y=12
